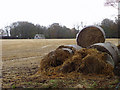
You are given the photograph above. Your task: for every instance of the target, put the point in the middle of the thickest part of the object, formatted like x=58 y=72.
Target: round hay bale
x=90 y=35
x=62 y=61
x=109 y=48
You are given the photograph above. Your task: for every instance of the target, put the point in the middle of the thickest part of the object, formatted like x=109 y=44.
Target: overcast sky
x=46 y=12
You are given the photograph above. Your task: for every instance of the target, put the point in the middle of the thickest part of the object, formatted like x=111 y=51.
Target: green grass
x=93 y=85
x=13 y=86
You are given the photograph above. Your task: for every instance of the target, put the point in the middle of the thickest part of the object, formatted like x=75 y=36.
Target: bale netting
x=82 y=61
x=90 y=35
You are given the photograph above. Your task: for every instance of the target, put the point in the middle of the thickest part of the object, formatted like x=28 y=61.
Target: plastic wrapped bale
x=76 y=47
x=56 y=58
x=70 y=47
x=87 y=61
x=110 y=49
x=90 y=35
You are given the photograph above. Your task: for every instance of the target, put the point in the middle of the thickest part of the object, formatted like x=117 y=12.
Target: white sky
x=46 y=12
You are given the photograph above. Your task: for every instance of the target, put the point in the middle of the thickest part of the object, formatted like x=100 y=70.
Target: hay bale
x=54 y=59
x=90 y=35
x=82 y=61
x=110 y=49
x=87 y=61
x=73 y=62
x=93 y=64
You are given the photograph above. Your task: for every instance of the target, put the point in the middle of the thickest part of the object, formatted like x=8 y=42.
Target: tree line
x=27 y=30
x=111 y=28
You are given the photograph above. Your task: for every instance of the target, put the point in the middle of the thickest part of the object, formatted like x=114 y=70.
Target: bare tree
x=115 y=4
x=79 y=26
x=7 y=28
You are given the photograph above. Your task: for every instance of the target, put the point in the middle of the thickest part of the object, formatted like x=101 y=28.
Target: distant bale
x=90 y=35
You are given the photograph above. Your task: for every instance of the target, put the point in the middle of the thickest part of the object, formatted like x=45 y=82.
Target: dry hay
x=83 y=61
x=88 y=61
x=55 y=58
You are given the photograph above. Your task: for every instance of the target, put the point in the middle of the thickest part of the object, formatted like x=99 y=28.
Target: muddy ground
x=21 y=60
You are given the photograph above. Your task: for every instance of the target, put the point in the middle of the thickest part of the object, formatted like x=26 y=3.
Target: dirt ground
x=21 y=59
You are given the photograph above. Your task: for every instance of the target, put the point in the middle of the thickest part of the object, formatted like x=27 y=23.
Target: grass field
x=14 y=49
x=21 y=57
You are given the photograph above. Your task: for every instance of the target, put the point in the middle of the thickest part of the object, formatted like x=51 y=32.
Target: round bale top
x=90 y=35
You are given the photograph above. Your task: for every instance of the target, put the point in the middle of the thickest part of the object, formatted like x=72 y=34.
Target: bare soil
x=21 y=60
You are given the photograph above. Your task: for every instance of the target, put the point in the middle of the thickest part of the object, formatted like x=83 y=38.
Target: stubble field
x=21 y=59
